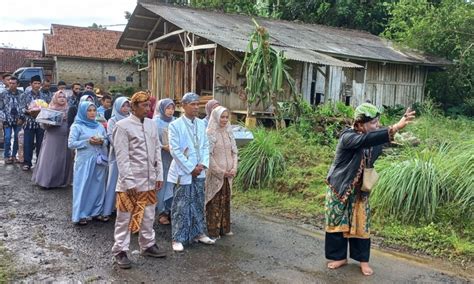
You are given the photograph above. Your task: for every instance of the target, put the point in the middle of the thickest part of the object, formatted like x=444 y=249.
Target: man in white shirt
x=189 y=148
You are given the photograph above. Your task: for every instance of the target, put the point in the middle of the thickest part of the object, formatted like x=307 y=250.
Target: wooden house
x=202 y=51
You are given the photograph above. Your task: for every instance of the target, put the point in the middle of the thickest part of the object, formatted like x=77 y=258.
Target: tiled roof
x=12 y=58
x=80 y=42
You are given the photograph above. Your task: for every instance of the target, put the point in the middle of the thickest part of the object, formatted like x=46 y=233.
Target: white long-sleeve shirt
x=189 y=146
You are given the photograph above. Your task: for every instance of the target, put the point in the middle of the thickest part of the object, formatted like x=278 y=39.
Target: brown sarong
x=135 y=203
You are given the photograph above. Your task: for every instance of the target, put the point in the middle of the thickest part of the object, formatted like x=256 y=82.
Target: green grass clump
x=412 y=190
x=6 y=268
x=260 y=161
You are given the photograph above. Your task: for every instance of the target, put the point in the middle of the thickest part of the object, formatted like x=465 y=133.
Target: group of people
x=175 y=166
x=176 y=171
x=144 y=164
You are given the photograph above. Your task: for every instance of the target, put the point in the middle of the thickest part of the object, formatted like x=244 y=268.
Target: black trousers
x=335 y=246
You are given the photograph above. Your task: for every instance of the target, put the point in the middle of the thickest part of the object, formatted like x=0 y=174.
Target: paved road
x=35 y=225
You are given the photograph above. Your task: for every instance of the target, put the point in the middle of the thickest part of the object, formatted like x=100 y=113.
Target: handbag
x=101 y=158
x=370 y=175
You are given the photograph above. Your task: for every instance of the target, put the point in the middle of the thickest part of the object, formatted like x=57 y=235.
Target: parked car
x=24 y=75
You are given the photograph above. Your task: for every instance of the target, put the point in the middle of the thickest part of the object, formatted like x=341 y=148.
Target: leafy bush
x=260 y=161
x=125 y=90
x=323 y=123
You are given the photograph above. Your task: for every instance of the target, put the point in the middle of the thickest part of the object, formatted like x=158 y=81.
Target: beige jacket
x=138 y=154
x=222 y=159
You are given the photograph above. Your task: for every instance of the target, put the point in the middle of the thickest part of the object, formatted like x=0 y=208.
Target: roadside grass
x=436 y=239
x=298 y=191
x=6 y=268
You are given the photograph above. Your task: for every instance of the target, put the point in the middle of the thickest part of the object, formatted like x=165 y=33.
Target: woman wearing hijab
x=72 y=112
x=54 y=166
x=121 y=110
x=222 y=169
x=210 y=105
x=166 y=109
x=89 y=139
x=347 y=202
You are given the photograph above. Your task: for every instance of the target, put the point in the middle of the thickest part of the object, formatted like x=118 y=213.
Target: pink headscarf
x=209 y=106
x=54 y=104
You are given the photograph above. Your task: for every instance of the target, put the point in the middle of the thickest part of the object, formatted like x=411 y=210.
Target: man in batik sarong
x=189 y=147
x=138 y=155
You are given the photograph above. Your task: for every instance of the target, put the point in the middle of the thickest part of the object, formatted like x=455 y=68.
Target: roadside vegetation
x=6 y=268
x=425 y=196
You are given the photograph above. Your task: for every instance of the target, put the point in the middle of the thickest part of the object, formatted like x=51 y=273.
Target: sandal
x=9 y=160
x=103 y=218
x=82 y=222
x=26 y=168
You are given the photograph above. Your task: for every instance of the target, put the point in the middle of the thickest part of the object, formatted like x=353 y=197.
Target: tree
x=96 y=26
x=369 y=15
x=265 y=71
x=140 y=59
x=443 y=28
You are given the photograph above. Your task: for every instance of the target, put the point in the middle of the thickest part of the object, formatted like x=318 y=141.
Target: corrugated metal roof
x=233 y=31
x=306 y=55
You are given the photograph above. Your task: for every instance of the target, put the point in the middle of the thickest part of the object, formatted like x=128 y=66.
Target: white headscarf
x=214 y=128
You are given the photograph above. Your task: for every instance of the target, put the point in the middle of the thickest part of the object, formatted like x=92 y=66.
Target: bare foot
x=366 y=270
x=337 y=263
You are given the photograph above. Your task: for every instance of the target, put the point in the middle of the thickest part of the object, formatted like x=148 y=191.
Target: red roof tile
x=80 y=42
x=12 y=58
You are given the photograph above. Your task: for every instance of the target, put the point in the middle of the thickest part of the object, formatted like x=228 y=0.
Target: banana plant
x=265 y=71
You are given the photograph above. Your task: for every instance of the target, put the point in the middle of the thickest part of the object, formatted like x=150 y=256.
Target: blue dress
x=109 y=204
x=89 y=177
x=165 y=195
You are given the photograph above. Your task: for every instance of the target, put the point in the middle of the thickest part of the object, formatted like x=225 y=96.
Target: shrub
x=125 y=90
x=260 y=161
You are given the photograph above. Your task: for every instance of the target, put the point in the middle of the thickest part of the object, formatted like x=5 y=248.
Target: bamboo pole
x=193 y=67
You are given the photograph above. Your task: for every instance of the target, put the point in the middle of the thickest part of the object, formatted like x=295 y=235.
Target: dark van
x=24 y=75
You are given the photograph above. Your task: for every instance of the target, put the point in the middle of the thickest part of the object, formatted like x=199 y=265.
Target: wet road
x=35 y=226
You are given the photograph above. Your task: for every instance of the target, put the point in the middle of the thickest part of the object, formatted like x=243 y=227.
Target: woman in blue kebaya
x=165 y=109
x=89 y=139
x=120 y=110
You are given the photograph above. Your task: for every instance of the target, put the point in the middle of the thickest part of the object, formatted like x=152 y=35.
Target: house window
x=112 y=79
x=129 y=79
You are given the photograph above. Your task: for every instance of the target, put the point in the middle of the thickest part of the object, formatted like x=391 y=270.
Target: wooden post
x=193 y=67
x=150 y=74
x=214 y=72
x=327 y=76
x=186 y=74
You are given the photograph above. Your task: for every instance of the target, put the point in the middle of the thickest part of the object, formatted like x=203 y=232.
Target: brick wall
x=101 y=73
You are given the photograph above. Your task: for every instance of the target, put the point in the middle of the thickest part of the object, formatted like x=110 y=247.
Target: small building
x=202 y=51
x=78 y=54
x=12 y=58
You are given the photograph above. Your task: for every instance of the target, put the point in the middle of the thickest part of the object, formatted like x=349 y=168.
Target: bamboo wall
x=386 y=84
x=167 y=77
x=393 y=84
x=229 y=88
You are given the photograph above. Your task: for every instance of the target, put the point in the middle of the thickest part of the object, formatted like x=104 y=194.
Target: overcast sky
x=40 y=14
